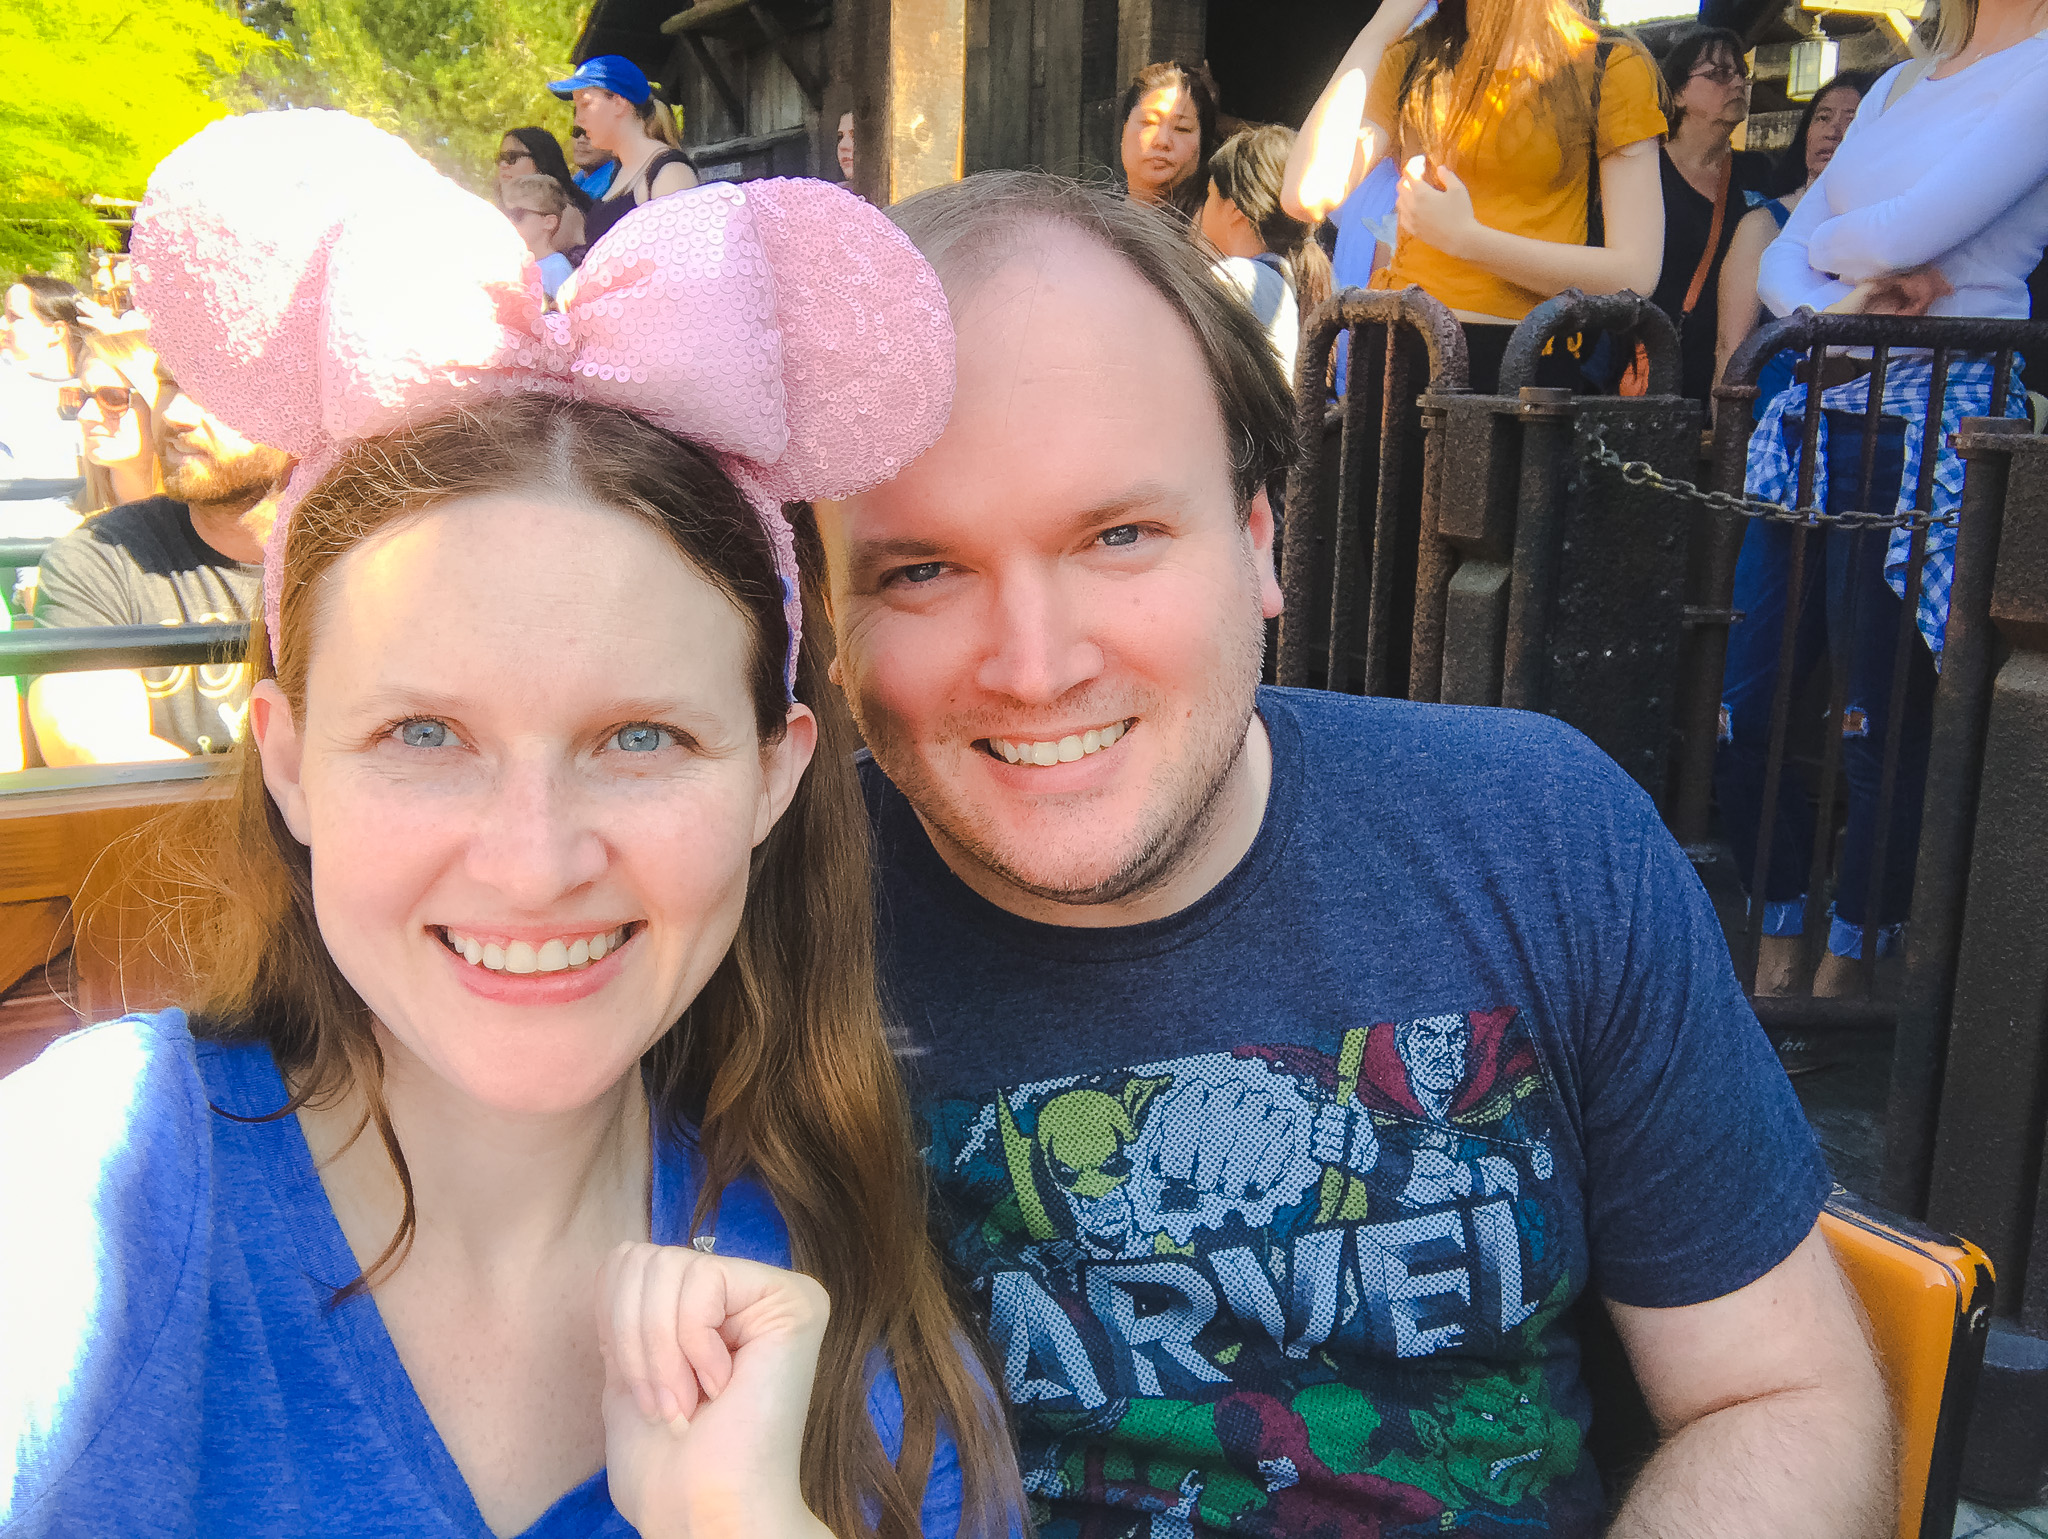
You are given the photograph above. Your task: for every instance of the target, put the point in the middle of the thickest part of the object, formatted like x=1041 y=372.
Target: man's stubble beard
x=212 y=483
x=1170 y=837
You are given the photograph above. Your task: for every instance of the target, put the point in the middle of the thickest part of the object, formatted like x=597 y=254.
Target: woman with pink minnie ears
x=528 y=1158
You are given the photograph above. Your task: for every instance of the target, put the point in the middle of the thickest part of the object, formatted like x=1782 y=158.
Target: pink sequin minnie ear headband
x=311 y=281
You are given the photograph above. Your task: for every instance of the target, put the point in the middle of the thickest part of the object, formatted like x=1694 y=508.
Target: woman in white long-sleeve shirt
x=1936 y=203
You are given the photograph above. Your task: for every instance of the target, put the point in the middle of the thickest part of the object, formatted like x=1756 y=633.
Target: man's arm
x=1773 y=1415
x=95 y=718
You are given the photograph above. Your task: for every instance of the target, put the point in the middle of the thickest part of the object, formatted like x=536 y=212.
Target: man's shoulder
x=94 y=575
x=138 y=532
x=1437 y=750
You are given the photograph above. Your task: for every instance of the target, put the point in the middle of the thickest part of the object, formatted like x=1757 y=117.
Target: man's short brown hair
x=968 y=229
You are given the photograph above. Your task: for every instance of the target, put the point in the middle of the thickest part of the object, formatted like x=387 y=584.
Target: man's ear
x=1261 y=526
x=282 y=751
x=783 y=767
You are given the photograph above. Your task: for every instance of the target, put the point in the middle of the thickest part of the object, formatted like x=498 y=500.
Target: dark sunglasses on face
x=111 y=399
x=513 y=157
x=516 y=215
x=1721 y=74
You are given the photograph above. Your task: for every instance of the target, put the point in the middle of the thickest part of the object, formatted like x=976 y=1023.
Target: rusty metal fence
x=1579 y=554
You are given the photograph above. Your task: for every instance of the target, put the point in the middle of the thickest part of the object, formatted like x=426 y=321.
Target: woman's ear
x=783 y=765
x=282 y=751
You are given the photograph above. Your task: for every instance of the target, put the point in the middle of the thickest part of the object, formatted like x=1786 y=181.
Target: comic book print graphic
x=1279 y=1290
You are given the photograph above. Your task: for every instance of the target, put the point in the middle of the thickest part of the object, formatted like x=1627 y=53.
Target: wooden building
x=939 y=88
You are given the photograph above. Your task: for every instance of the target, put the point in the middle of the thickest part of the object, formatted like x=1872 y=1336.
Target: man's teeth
x=551 y=956
x=1064 y=751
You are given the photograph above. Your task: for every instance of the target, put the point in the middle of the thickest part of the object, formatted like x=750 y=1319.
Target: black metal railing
x=1350 y=612
x=83 y=648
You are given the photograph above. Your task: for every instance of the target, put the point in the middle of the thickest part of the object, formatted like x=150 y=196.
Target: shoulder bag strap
x=1596 y=215
x=1699 y=275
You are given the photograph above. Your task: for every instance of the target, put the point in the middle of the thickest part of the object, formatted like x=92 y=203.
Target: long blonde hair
x=129 y=355
x=1444 y=93
x=779 y=1069
x=659 y=121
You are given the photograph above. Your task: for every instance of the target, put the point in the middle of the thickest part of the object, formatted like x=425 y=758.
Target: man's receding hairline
x=978 y=253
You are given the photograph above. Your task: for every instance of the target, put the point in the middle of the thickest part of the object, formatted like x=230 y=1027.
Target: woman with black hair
x=1168 y=114
x=536 y=152
x=1821 y=126
x=1271 y=256
x=1704 y=180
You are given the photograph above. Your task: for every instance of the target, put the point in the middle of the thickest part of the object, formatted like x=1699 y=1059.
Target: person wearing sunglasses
x=112 y=403
x=535 y=205
x=190 y=556
x=536 y=152
x=39 y=341
x=595 y=168
x=1705 y=182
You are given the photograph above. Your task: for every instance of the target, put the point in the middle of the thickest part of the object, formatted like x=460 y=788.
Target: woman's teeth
x=1063 y=751
x=550 y=956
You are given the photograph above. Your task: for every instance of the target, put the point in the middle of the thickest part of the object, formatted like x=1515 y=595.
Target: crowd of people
x=769 y=965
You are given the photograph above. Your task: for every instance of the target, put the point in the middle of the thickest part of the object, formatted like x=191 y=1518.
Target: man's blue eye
x=1122 y=534
x=639 y=739
x=924 y=571
x=423 y=734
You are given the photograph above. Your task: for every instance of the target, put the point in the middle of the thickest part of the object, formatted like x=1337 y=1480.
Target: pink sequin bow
x=311 y=281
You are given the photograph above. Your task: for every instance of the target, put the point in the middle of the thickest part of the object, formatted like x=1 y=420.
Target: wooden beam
x=716 y=75
x=1150 y=31
x=702 y=15
x=927 y=67
x=806 y=82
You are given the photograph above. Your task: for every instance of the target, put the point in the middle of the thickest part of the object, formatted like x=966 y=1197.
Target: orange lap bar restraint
x=1928 y=1299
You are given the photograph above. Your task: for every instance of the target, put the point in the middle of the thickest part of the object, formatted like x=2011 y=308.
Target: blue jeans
x=1845 y=610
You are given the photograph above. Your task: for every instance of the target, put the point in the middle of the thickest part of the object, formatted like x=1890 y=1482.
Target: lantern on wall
x=1815 y=61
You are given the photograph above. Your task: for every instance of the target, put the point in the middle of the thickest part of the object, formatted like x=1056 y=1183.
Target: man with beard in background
x=190 y=557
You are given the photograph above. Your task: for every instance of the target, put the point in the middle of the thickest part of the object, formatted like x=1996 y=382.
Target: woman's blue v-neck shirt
x=169 y=1360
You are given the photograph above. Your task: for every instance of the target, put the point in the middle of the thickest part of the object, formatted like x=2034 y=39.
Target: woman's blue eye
x=639 y=739
x=924 y=571
x=423 y=734
x=1122 y=534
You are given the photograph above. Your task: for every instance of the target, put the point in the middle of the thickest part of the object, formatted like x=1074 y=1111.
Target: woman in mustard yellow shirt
x=1490 y=106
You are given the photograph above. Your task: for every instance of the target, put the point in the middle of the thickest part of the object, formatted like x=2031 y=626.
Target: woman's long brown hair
x=780 y=1066
x=1447 y=89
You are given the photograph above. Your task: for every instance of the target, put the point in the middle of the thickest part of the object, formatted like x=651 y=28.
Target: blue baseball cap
x=608 y=72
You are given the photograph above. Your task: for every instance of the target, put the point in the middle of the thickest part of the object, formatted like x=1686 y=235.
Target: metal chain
x=1642 y=473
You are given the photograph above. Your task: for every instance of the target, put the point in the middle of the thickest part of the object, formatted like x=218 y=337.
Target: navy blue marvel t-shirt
x=1278 y=1205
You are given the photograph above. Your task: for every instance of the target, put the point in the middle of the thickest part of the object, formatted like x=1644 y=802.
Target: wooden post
x=927 y=63
x=1148 y=31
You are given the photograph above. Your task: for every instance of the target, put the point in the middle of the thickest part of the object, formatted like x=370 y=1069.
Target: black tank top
x=606 y=212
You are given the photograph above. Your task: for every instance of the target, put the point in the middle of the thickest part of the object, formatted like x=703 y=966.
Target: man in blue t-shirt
x=1296 y=1068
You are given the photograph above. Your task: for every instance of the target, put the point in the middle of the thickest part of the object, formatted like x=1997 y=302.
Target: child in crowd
x=535 y=205
x=1266 y=252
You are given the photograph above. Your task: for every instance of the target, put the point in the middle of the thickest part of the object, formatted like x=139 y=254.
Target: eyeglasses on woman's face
x=1723 y=74
x=521 y=215
x=112 y=400
x=513 y=157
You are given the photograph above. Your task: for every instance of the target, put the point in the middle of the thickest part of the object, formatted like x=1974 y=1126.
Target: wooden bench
x=64 y=881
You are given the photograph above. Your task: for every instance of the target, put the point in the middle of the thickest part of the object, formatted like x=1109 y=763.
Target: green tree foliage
x=447 y=76
x=98 y=91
